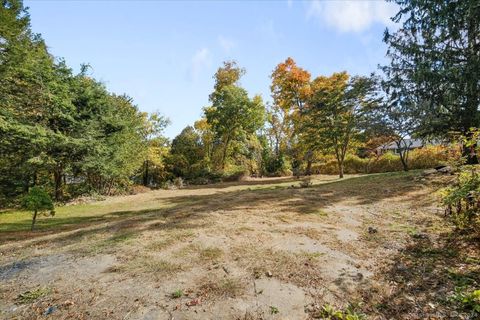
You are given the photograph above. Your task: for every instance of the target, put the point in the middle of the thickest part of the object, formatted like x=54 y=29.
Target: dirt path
x=222 y=252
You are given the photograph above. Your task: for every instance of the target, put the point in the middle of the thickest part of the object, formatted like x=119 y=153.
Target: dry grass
x=217 y=288
x=210 y=254
x=297 y=268
x=170 y=239
x=312 y=233
x=216 y=241
x=150 y=266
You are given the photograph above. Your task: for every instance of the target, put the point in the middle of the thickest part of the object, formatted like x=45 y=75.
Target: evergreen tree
x=435 y=63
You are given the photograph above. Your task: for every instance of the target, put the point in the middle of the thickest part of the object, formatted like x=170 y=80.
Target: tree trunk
x=224 y=155
x=309 y=158
x=110 y=185
x=145 y=174
x=34 y=219
x=58 y=183
x=340 y=169
x=308 y=170
x=404 y=162
x=403 y=150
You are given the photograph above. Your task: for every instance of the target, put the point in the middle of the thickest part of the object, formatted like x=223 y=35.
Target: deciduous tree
x=332 y=120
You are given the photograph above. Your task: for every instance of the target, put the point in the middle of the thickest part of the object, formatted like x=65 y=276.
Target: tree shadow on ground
x=263 y=181
x=425 y=275
x=360 y=190
x=426 y=271
x=287 y=199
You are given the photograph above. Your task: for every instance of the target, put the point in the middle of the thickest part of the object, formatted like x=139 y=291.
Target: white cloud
x=352 y=15
x=200 y=60
x=226 y=43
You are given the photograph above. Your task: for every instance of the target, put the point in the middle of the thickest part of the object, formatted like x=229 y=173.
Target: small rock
x=401 y=267
x=226 y=270
x=269 y=274
x=309 y=308
x=420 y=236
x=429 y=172
x=312 y=307
x=50 y=310
x=68 y=303
x=372 y=230
x=193 y=302
x=445 y=169
x=358 y=276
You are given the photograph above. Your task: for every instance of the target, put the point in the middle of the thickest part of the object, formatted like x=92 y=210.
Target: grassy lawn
x=125 y=206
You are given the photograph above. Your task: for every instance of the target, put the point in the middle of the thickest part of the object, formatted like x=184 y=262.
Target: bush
x=354 y=164
x=235 y=174
x=178 y=182
x=468 y=301
x=430 y=157
x=326 y=165
x=424 y=158
x=278 y=167
x=387 y=162
x=38 y=201
x=462 y=199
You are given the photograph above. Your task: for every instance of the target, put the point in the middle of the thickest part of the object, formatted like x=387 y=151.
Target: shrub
x=423 y=158
x=429 y=157
x=178 y=182
x=278 y=167
x=387 y=162
x=326 y=165
x=468 y=301
x=462 y=199
x=330 y=312
x=235 y=173
x=38 y=201
x=354 y=164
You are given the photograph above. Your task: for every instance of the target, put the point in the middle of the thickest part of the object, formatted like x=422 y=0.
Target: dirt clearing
x=262 y=249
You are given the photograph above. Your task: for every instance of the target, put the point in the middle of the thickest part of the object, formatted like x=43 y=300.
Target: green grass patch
x=32 y=295
x=311 y=255
x=176 y=294
x=72 y=215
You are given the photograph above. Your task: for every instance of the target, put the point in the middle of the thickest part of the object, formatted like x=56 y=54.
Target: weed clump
x=462 y=199
x=32 y=295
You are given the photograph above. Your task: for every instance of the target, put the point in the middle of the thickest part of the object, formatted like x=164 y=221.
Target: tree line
x=68 y=134
x=63 y=131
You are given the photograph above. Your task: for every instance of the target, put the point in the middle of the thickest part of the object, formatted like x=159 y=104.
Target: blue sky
x=164 y=54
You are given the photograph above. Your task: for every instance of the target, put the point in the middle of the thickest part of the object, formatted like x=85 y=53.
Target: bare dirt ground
x=262 y=249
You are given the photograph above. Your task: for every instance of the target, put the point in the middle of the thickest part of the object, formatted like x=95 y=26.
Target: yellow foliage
x=423 y=158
